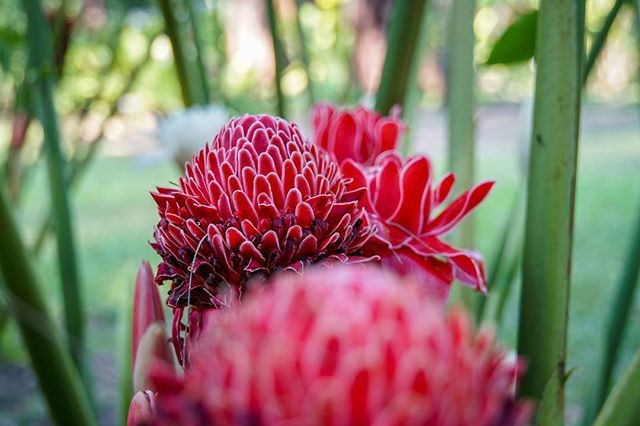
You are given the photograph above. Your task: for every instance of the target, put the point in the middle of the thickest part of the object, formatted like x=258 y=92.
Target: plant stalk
x=80 y=162
x=618 y=315
x=506 y=264
x=616 y=322
x=278 y=54
x=546 y=274
x=61 y=387
x=40 y=49
x=402 y=50
x=172 y=28
x=460 y=103
x=601 y=38
x=304 y=54
x=622 y=408
x=197 y=42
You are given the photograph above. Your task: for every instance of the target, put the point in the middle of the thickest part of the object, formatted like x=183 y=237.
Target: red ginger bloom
x=258 y=199
x=341 y=346
x=402 y=198
x=360 y=134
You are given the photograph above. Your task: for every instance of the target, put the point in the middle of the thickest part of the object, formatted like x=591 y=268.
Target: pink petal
x=458 y=209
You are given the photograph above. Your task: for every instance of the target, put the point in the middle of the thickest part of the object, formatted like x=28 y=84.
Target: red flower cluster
x=260 y=198
x=402 y=200
x=335 y=347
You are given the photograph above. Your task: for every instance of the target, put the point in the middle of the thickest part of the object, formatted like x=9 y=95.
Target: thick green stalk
x=546 y=272
x=304 y=54
x=601 y=38
x=40 y=57
x=189 y=94
x=197 y=42
x=59 y=381
x=460 y=122
x=278 y=54
x=622 y=408
x=402 y=50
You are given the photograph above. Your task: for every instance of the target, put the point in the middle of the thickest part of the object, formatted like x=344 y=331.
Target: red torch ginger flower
x=360 y=134
x=260 y=198
x=341 y=346
x=402 y=201
x=402 y=196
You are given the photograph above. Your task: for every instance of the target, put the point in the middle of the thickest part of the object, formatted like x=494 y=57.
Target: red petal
x=244 y=207
x=387 y=195
x=345 y=137
x=458 y=209
x=415 y=186
x=147 y=307
x=304 y=214
x=444 y=188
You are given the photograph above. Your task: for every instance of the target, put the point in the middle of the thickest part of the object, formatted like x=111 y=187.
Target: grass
x=116 y=216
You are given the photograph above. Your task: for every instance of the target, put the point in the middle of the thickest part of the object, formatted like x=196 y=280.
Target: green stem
x=4 y=309
x=600 y=39
x=278 y=54
x=189 y=96
x=546 y=274
x=506 y=262
x=60 y=384
x=40 y=44
x=460 y=109
x=402 y=50
x=414 y=91
x=616 y=322
x=126 y=376
x=622 y=408
x=80 y=163
x=304 y=54
x=618 y=314
x=197 y=42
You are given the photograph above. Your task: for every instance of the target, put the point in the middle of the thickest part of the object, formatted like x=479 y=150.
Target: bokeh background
x=118 y=80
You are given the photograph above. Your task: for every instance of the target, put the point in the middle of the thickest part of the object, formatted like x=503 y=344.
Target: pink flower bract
x=358 y=134
x=258 y=199
x=342 y=346
x=402 y=202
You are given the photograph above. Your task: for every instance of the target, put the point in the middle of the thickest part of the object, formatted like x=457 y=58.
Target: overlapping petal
x=402 y=201
x=359 y=134
x=258 y=199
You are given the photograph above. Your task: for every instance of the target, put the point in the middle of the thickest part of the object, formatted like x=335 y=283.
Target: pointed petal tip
x=147 y=306
x=141 y=408
x=153 y=347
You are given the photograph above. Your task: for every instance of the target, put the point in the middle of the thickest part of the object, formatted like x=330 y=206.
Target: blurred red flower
x=340 y=346
x=402 y=202
x=359 y=134
x=258 y=199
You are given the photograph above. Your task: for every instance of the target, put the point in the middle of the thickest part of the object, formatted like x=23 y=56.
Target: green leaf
x=517 y=43
x=403 y=35
x=62 y=390
x=622 y=408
